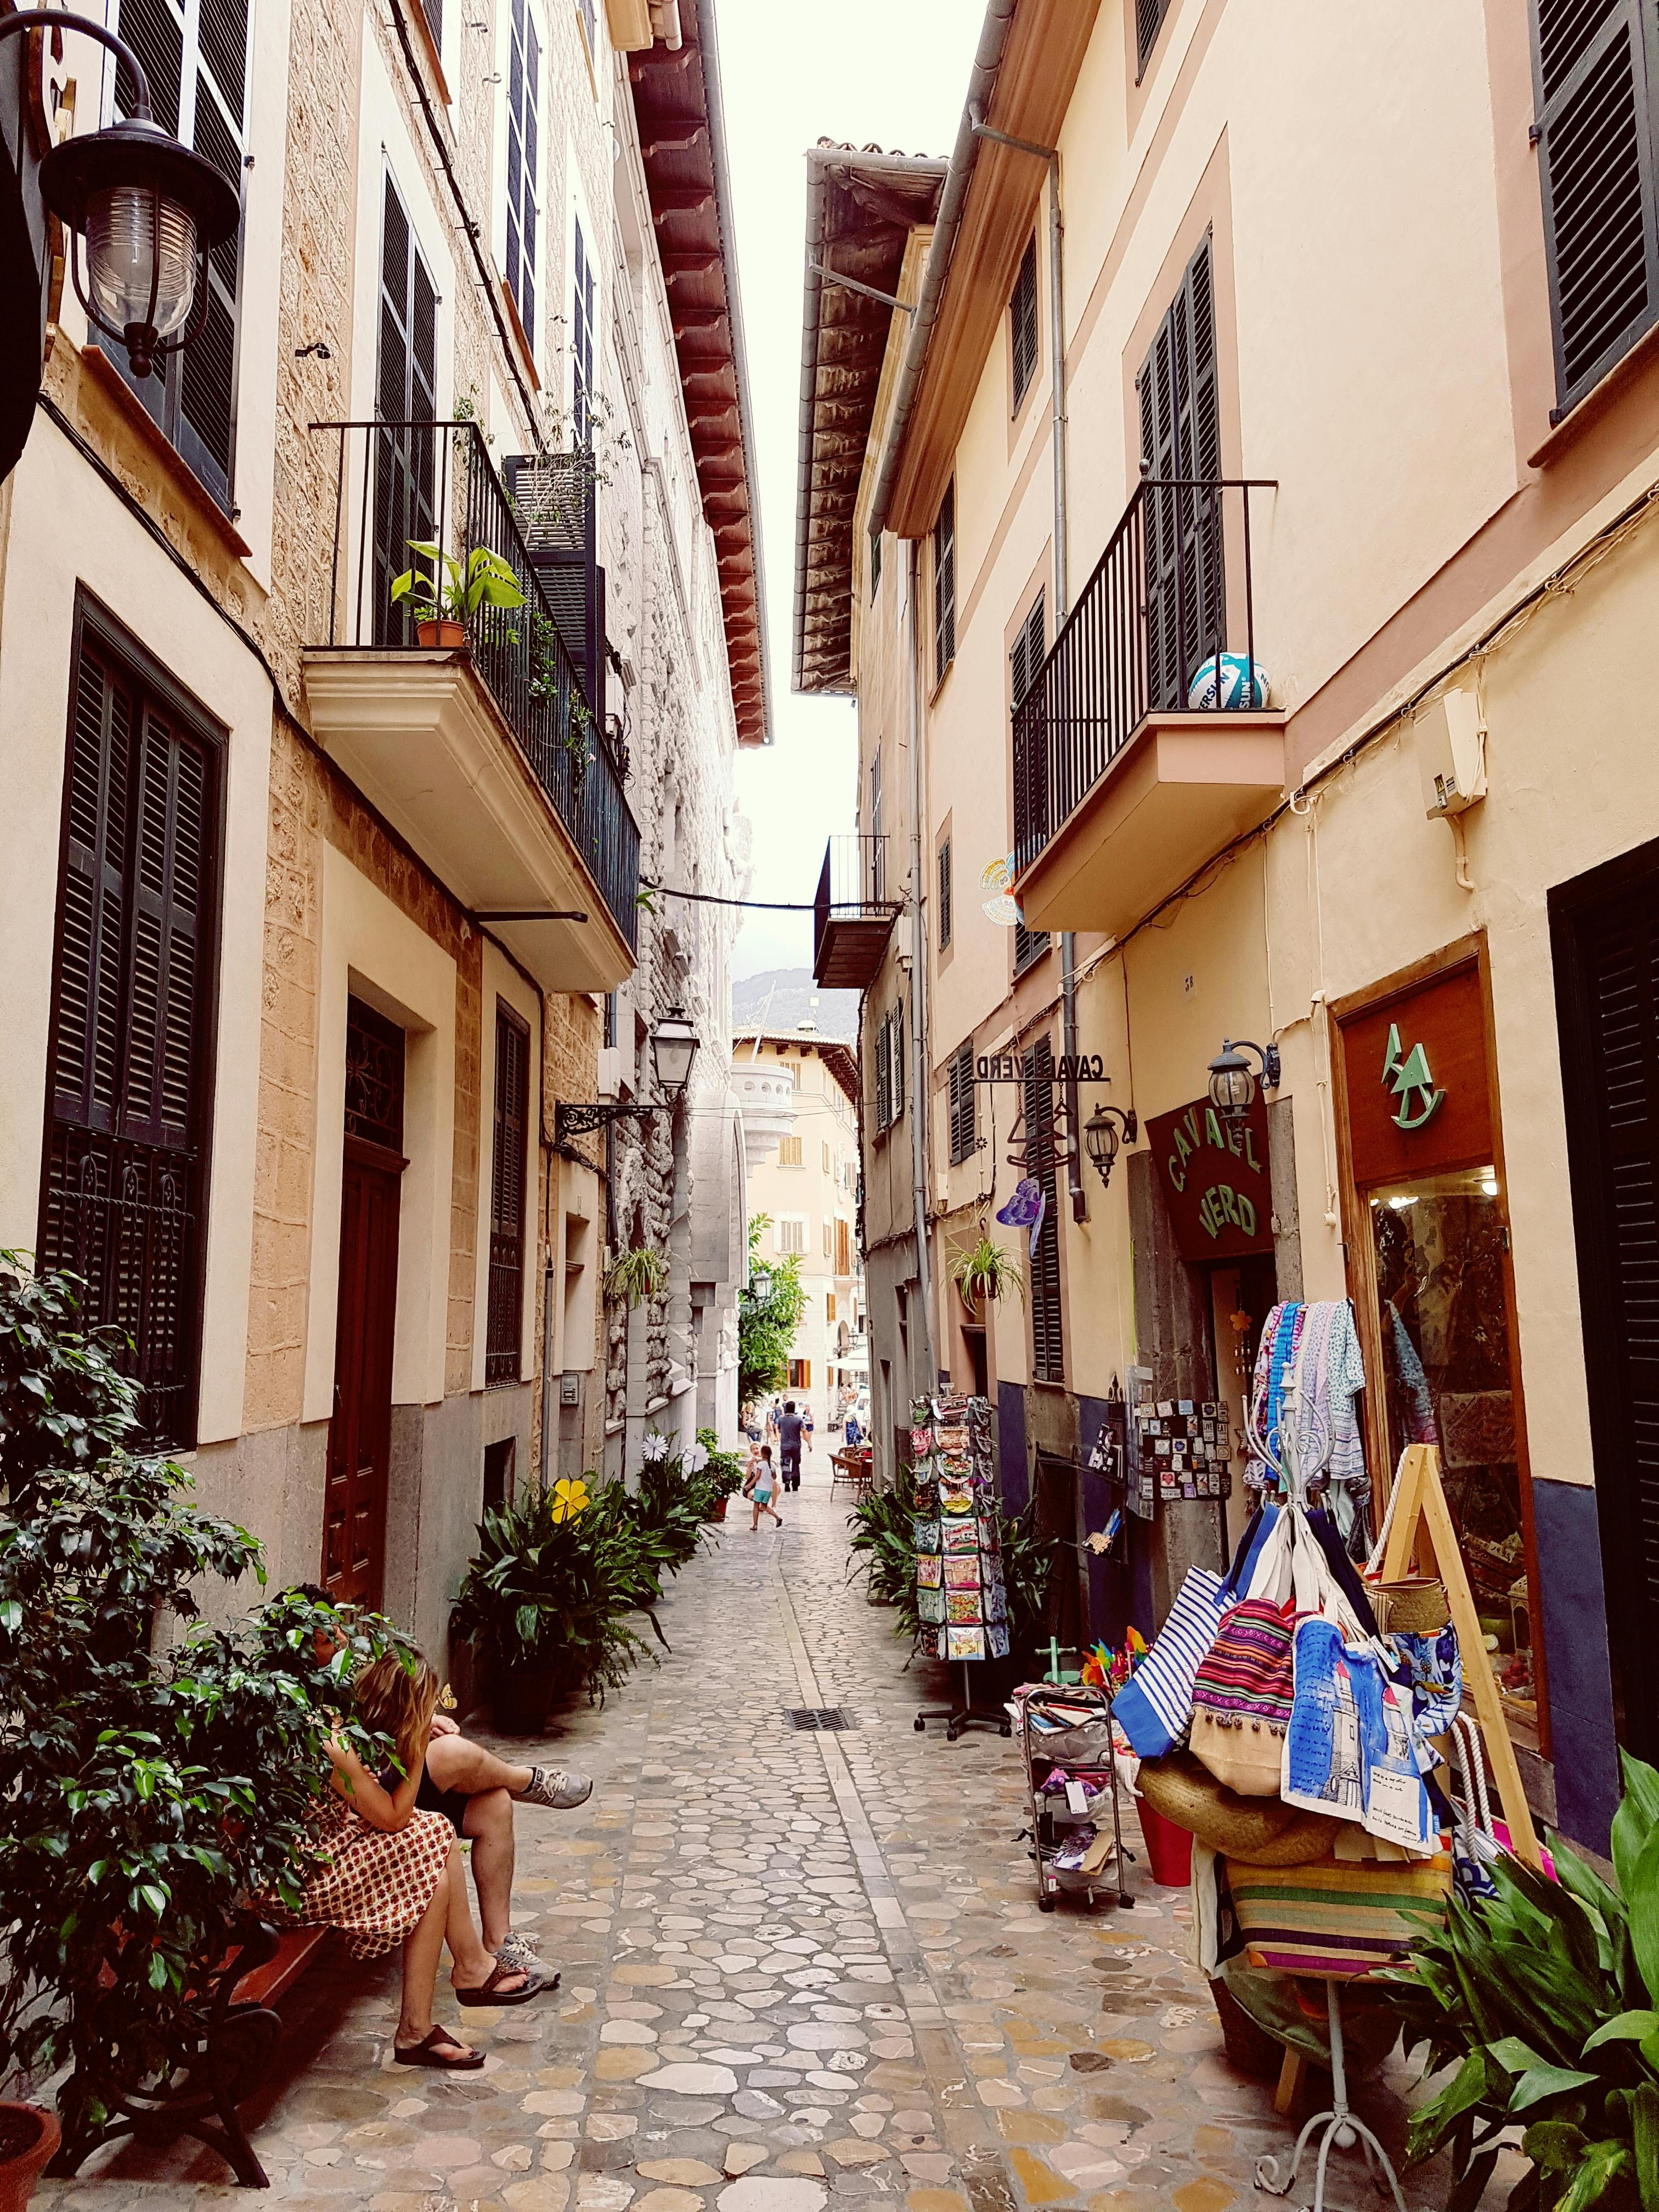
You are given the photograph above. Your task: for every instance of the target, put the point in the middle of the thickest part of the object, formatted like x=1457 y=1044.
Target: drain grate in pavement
x=819 y=1717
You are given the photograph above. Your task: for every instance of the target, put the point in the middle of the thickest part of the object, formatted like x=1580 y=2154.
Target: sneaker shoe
x=517 y=1954
x=556 y=1786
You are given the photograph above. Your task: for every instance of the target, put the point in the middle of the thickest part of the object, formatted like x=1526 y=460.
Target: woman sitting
x=389 y=1872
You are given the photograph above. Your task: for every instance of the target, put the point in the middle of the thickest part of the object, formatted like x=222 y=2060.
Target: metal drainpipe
x=918 y=996
x=547 y=1335
x=1062 y=592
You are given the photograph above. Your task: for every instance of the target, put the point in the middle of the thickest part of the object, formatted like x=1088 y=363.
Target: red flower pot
x=445 y=634
x=28 y=2137
x=1169 y=1848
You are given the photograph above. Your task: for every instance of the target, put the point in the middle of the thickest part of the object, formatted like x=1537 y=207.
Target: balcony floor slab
x=419 y=734
x=1181 y=789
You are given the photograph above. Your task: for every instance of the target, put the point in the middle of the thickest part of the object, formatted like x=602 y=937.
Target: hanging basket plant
x=986 y=1272
x=635 y=1276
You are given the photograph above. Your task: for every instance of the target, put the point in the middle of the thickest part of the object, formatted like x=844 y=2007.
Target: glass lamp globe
x=136 y=237
x=1100 y=1141
x=673 y=1049
x=1232 y=1085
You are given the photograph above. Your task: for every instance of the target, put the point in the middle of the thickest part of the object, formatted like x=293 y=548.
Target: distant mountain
x=784 y=997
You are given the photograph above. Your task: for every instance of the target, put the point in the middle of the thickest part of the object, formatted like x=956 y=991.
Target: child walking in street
x=762 y=1489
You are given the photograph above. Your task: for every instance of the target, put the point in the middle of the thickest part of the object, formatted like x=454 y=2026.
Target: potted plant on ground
x=151 y=1783
x=722 y=1474
x=444 y=596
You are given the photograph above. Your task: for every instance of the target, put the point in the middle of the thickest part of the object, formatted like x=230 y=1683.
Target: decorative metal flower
x=569 y=1500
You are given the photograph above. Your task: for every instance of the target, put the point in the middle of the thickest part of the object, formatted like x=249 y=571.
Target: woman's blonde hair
x=396 y=1695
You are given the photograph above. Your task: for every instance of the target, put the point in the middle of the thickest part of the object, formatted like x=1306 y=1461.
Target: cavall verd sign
x=1215 y=1178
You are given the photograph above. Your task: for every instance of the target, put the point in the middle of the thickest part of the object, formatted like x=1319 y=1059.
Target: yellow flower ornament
x=569 y=1500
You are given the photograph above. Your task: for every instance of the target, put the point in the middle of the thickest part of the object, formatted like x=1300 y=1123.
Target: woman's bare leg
x=471 y=1965
x=422 y=1947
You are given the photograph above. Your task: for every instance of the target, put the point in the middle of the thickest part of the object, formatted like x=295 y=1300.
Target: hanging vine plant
x=986 y=1272
x=636 y=1275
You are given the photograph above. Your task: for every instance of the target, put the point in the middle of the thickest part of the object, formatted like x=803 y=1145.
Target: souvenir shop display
x=1309 y=1353
x=1182 y=1449
x=961 y=1602
x=1072 y=1779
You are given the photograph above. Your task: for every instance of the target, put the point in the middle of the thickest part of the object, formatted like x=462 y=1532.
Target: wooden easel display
x=1420 y=1530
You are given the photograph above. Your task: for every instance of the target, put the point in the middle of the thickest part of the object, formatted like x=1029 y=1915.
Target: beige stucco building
x=805 y=1182
x=319 y=929
x=1357 y=384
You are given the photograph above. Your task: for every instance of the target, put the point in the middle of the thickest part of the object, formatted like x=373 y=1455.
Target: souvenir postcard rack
x=961 y=1604
x=1066 y=1735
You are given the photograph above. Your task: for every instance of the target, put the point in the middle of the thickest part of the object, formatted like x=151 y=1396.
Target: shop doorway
x=1605 y=927
x=359 y=1431
x=1242 y=1295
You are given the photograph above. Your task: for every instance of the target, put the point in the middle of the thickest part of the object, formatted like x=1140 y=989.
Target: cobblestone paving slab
x=798 y=1968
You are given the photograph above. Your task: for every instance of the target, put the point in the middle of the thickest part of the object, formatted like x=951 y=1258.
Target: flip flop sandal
x=428 y=2052
x=491 y=1994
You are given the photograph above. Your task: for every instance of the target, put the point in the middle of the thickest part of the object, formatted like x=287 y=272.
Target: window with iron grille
x=1023 y=321
x=944 y=584
x=960 y=1103
x=195 y=54
x=1180 y=449
x=582 y=339
x=1047 y=1349
x=944 y=896
x=128 y=1089
x=523 y=164
x=509 y=1176
x=1025 y=661
x=1595 y=64
x=406 y=381
x=1149 y=21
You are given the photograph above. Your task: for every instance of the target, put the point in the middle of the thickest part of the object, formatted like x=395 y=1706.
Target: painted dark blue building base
x=1580 y=1675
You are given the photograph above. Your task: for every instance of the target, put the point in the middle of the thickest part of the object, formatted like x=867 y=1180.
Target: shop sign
x=1414 y=1067
x=1215 y=1179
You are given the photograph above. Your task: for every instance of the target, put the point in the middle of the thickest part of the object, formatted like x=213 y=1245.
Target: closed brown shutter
x=508 y=1173
x=406 y=371
x=1181 y=443
x=126 y=1167
x=1023 y=321
x=1048 y=1345
x=1030 y=649
x=964 y=1135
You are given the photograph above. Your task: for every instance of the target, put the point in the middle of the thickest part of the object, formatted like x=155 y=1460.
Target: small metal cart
x=1083 y=1750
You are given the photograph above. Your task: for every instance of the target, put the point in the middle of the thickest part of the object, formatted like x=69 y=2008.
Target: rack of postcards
x=1182 y=1449
x=960 y=1600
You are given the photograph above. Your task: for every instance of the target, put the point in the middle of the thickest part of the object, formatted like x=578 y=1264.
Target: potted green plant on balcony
x=636 y=1275
x=447 y=592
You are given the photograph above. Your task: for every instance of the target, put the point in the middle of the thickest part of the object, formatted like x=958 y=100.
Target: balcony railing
x=434 y=483
x=1172 y=590
x=852 y=913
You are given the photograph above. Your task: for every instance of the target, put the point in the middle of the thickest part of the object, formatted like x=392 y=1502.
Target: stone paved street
x=797 y=1966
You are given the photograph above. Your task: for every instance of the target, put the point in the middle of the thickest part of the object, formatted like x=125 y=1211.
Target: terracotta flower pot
x=28 y=2137
x=717 y=1511
x=444 y=634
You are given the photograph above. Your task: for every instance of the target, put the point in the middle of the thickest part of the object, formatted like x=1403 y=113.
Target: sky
x=890 y=72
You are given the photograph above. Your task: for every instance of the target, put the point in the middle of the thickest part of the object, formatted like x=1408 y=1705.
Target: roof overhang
x=974 y=257
x=861 y=208
x=678 y=111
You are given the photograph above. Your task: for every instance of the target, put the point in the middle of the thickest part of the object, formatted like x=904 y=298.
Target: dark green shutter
x=1048 y=1345
x=944 y=583
x=1023 y=321
x=945 y=896
x=1180 y=444
x=1594 y=67
x=405 y=387
x=504 y=1326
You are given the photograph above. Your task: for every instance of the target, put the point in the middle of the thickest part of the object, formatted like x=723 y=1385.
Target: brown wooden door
x=360 y=1434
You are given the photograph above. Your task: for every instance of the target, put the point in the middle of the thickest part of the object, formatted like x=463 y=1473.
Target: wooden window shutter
x=1047 y=1349
x=509 y=1171
x=1149 y=21
x=944 y=584
x=961 y=1104
x=1180 y=445
x=581 y=338
x=1031 y=650
x=1594 y=66
x=1023 y=320
x=898 y=1058
x=523 y=164
x=883 y=1075
x=196 y=58
x=945 y=896
x=126 y=1108
x=406 y=374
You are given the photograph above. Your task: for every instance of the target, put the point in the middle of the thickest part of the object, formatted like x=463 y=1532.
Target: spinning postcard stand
x=961 y=1603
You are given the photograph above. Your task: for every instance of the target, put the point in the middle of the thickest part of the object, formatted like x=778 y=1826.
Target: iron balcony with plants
x=446 y=687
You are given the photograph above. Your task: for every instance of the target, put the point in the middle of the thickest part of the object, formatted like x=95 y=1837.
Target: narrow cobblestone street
x=797 y=1966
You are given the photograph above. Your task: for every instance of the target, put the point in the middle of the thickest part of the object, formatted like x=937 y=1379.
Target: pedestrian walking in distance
x=791 y=1428
x=761 y=1487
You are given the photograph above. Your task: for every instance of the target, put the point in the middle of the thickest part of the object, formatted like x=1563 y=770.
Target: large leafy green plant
x=767 y=1323
x=1545 y=1996
x=63 y=1401
x=152 y=1784
x=722 y=1470
x=884 y=1546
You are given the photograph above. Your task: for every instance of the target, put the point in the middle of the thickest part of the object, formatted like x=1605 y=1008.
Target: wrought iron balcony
x=472 y=732
x=1171 y=593
x=853 y=915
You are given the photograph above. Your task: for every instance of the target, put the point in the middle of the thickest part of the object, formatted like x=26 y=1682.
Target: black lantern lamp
x=1232 y=1080
x=150 y=208
x=673 y=1049
x=1105 y=1129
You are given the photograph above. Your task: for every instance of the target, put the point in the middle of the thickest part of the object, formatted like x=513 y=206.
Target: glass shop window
x=1446 y=1380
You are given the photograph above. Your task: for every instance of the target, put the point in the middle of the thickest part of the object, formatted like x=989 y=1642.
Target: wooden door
x=360 y=1434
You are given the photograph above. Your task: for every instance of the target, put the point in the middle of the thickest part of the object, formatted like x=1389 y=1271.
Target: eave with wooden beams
x=862 y=205
x=677 y=107
x=1046 y=44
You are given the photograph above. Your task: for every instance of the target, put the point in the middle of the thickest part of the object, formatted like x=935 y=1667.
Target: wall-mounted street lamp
x=1232 y=1080
x=149 y=209
x=673 y=1049
x=1105 y=1129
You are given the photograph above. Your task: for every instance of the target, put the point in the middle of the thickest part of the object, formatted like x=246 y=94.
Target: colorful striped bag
x=1242 y=1695
x=1338 y=1919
